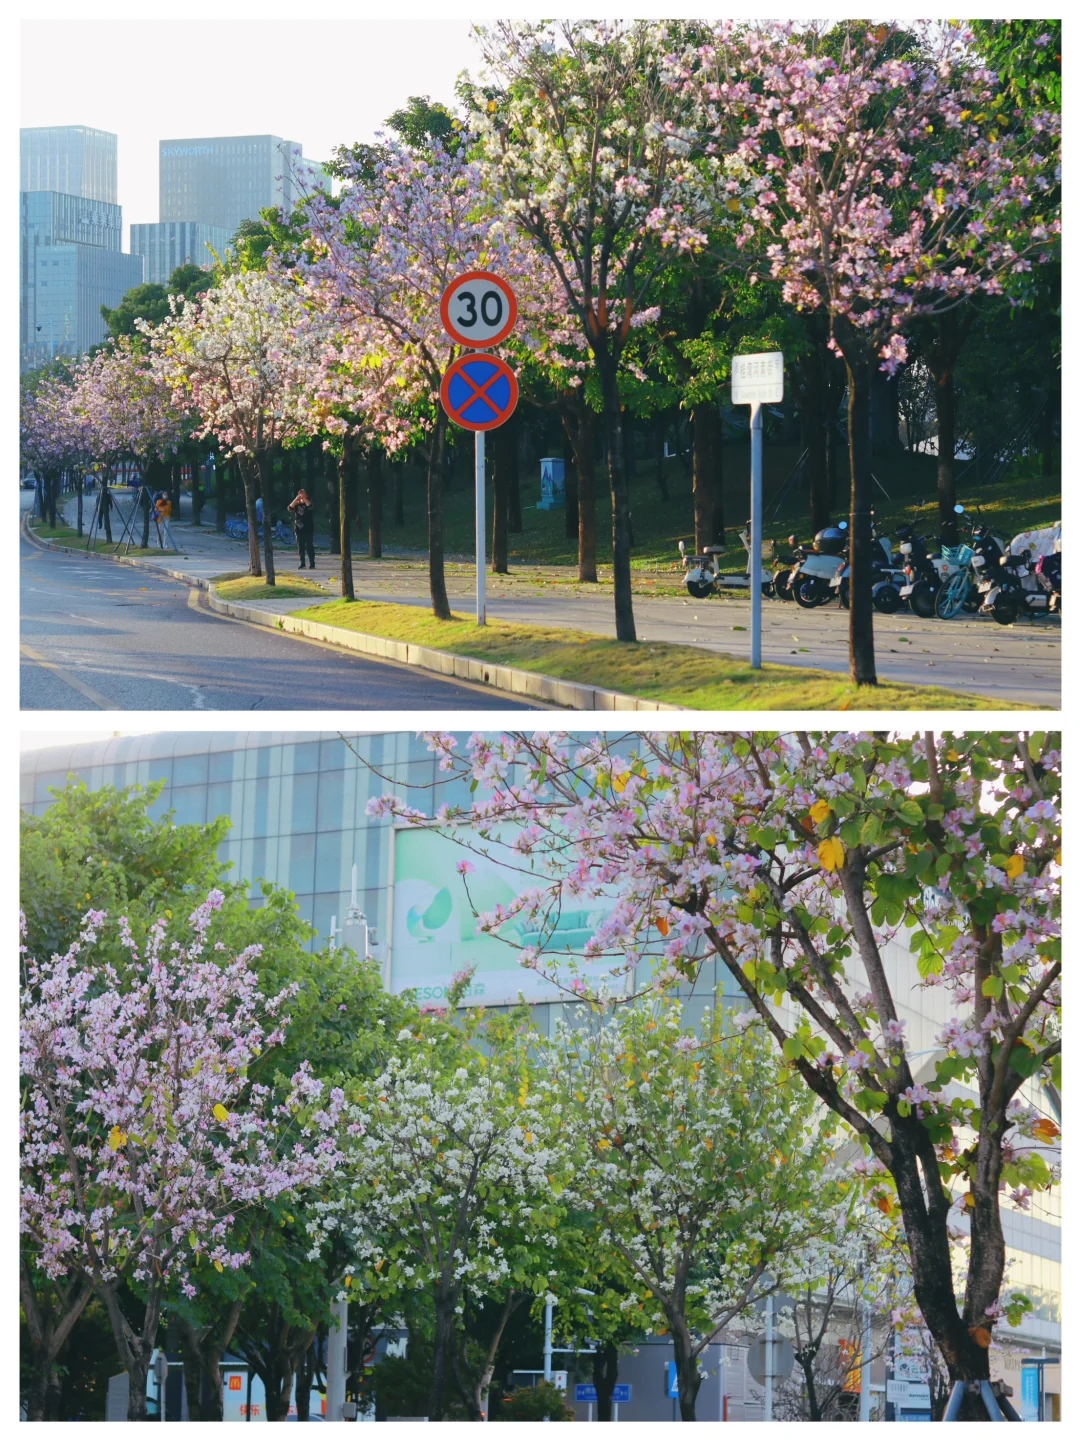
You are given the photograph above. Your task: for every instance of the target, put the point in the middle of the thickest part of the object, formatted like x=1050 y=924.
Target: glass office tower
x=222 y=180
x=70 y=159
x=70 y=264
x=168 y=243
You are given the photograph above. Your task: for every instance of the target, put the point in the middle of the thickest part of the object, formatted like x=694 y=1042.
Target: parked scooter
x=1026 y=584
x=964 y=567
x=703 y=574
x=811 y=578
x=887 y=576
x=922 y=572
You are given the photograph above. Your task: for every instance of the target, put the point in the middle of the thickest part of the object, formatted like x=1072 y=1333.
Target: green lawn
x=254 y=587
x=68 y=535
x=1017 y=503
x=677 y=674
x=56 y=532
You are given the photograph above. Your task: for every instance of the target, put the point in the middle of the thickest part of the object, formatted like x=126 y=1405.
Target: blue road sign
x=479 y=392
x=586 y=1394
x=672 y=1380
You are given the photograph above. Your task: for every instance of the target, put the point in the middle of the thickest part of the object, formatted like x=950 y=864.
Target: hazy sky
x=319 y=82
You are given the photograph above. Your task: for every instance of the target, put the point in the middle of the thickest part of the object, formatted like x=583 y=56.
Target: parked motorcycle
x=811 y=579
x=887 y=578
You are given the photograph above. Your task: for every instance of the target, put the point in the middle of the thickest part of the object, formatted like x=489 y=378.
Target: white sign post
x=479 y=309
x=756 y=380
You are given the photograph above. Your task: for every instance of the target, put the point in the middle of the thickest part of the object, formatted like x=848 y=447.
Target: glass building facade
x=168 y=243
x=222 y=180
x=297 y=803
x=72 y=159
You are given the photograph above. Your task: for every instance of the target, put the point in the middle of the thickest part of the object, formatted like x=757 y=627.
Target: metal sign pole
x=769 y=1301
x=755 y=536
x=481 y=532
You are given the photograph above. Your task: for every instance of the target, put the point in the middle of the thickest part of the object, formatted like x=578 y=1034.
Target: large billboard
x=435 y=933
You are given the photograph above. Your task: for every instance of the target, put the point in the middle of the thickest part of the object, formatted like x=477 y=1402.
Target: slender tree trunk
x=686 y=1365
x=620 y=502
x=305 y=1375
x=375 y=499
x=949 y=331
x=133 y=1350
x=807 y=1367
x=399 y=494
x=445 y=1306
x=106 y=504
x=332 y=502
x=196 y=490
x=578 y=424
x=861 y=614
x=287 y=491
x=346 y=473
x=658 y=432
x=264 y=464
x=48 y=1333
x=177 y=485
x=571 y=512
x=478 y=1394
x=222 y=476
x=80 y=488
x=436 y=572
x=513 y=488
x=703 y=420
x=605 y=1374
x=146 y=505
x=501 y=444
x=250 y=476
x=813 y=399
x=201 y=1351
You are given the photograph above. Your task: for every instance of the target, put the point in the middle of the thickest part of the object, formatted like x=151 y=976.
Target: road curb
x=524 y=684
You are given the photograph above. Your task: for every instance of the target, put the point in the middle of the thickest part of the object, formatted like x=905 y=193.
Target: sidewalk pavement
x=1019 y=664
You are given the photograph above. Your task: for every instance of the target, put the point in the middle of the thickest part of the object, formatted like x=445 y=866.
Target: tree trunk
x=399 y=494
x=703 y=420
x=807 y=1367
x=196 y=490
x=375 y=499
x=571 y=512
x=578 y=424
x=106 y=505
x=332 y=517
x=948 y=334
x=861 y=614
x=145 y=504
x=620 y=502
x=222 y=474
x=81 y=487
x=686 y=1365
x=436 y=573
x=605 y=1374
x=134 y=1351
x=264 y=462
x=659 y=430
x=305 y=1375
x=513 y=489
x=177 y=479
x=813 y=403
x=445 y=1307
x=345 y=476
x=287 y=491
x=48 y=1332
x=250 y=476
x=201 y=1351
x=501 y=443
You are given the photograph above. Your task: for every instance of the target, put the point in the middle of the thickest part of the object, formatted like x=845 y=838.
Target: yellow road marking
x=94 y=696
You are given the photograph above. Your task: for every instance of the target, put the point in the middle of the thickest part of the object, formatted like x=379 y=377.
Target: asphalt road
x=100 y=636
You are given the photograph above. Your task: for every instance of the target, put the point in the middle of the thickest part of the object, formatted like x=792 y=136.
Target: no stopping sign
x=478 y=309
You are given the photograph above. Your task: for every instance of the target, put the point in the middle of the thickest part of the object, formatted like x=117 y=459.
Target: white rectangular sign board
x=913 y=1393
x=757 y=379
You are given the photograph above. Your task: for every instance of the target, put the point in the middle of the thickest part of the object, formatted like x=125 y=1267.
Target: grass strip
x=676 y=674
x=254 y=587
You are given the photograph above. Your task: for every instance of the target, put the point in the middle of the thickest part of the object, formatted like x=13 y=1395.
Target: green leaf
x=992 y=987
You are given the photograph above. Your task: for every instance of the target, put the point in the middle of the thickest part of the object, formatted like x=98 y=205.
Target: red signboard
x=478 y=309
x=479 y=392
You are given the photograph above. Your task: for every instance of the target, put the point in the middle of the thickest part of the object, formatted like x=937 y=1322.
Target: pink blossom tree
x=51 y=441
x=381 y=256
x=142 y=1136
x=890 y=190
x=831 y=877
x=595 y=156
x=238 y=356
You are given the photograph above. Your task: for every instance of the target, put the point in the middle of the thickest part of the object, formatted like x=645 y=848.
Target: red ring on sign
x=478 y=391
x=469 y=340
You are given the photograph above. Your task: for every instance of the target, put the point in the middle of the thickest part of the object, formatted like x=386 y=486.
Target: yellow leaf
x=1014 y=866
x=710 y=839
x=220 y=1113
x=820 y=812
x=733 y=204
x=831 y=853
x=663 y=925
x=218 y=1266
x=603 y=1144
x=379 y=1266
x=348 y=1281
x=620 y=782
x=1045 y=1129
x=117 y=1137
x=969 y=1200
x=885 y=1205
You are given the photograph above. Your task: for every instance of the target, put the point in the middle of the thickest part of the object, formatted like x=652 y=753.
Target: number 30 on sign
x=478 y=309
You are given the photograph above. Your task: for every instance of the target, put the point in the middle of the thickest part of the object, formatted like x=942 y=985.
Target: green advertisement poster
x=435 y=933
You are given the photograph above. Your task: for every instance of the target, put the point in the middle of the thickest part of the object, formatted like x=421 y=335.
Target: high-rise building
x=222 y=180
x=70 y=227
x=69 y=159
x=70 y=264
x=168 y=243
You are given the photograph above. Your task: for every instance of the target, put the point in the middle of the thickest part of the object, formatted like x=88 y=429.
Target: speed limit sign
x=478 y=309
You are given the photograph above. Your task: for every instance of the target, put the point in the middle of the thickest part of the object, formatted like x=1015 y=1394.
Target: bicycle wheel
x=951 y=597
